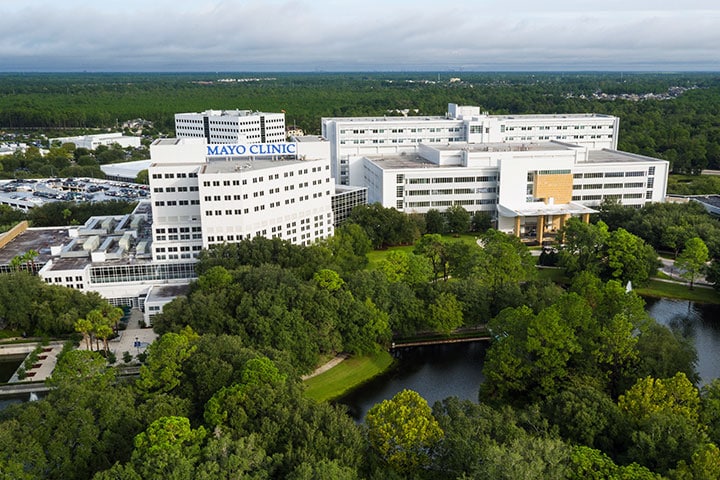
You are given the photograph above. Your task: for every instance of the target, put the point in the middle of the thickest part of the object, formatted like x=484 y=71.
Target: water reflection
x=700 y=323
x=435 y=372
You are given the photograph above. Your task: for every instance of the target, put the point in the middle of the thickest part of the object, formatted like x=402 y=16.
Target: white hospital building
x=232 y=126
x=530 y=172
x=353 y=138
x=206 y=194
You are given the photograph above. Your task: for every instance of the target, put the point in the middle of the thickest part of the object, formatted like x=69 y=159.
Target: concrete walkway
x=327 y=366
x=133 y=339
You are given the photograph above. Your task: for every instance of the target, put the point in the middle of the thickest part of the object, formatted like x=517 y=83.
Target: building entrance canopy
x=540 y=209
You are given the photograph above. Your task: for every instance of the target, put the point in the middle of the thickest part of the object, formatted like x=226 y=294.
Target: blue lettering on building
x=239 y=150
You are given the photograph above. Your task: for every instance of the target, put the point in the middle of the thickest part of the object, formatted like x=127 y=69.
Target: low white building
x=352 y=138
x=528 y=186
x=91 y=142
x=231 y=126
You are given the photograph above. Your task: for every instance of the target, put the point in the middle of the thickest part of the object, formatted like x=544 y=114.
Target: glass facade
x=139 y=273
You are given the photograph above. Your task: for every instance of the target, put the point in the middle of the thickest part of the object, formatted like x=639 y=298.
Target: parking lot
x=35 y=192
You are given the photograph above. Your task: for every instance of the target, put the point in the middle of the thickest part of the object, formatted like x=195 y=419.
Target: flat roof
x=534 y=210
x=615 y=156
x=308 y=138
x=409 y=160
x=165 y=292
x=38 y=239
x=245 y=165
x=503 y=146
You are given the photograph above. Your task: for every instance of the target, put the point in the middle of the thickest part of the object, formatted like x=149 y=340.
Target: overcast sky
x=362 y=35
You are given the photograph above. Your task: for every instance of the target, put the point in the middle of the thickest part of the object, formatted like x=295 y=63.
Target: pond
x=699 y=322
x=435 y=372
x=441 y=371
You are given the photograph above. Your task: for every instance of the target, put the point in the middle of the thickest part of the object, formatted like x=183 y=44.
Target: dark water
x=697 y=321
x=8 y=365
x=442 y=371
x=435 y=372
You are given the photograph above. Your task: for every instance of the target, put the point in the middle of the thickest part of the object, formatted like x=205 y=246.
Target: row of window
x=191 y=188
x=555 y=127
x=175 y=203
x=175 y=175
x=420 y=181
x=613 y=196
x=651 y=171
x=447 y=203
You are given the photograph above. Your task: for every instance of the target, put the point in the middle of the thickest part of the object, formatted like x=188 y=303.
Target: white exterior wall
x=487 y=178
x=633 y=183
x=291 y=200
x=91 y=142
x=227 y=199
x=232 y=126
x=351 y=139
x=76 y=278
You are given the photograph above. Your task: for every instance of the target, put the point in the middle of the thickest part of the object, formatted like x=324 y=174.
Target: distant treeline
x=684 y=129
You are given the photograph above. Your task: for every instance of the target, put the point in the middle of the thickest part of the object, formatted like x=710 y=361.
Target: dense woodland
x=580 y=381
x=681 y=125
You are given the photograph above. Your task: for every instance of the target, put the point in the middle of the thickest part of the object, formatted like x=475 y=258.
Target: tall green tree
x=403 y=432
x=692 y=260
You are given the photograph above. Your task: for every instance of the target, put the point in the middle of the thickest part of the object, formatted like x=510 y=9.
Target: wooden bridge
x=440 y=341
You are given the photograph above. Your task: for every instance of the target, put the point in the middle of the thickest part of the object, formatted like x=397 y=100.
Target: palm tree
x=85 y=327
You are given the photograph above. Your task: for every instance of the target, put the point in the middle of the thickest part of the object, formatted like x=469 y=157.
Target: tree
x=664 y=414
x=446 y=313
x=582 y=246
x=692 y=259
x=142 y=177
x=458 y=219
x=433 y=247
x=480 y=222
x=168 y=448
x=162 y=370
x=434 y=222
x=530 y=357
x=503 y=262
x=629 y=258
x=85 y=326
x=403 y=431
x=399 y=266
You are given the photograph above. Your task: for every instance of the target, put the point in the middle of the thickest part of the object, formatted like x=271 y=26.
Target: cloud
x=235 y=35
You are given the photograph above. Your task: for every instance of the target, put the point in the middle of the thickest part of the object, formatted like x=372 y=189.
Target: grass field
x=376 y=256
x=347 y=375
x=656 y=288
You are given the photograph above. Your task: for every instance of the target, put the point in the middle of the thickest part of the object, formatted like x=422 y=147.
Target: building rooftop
x=229 y=113
x=539 y=208
x=308 y=138
x=616 y=156
x=228 y=166
x=503 y=147
x=407 y=160
x=165 y=292
x=38 y=239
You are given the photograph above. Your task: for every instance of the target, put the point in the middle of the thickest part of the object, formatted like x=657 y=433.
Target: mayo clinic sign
x=242 y=150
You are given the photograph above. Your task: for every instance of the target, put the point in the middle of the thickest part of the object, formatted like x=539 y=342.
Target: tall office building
x=231 y=126
x=210 y=194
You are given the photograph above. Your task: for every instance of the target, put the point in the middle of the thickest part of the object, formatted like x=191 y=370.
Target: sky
x=361 y=35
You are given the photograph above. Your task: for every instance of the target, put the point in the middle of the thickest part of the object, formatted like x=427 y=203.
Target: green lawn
x=556 y=275
x=345 y=376
x=656 y=288
x=376 y=256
